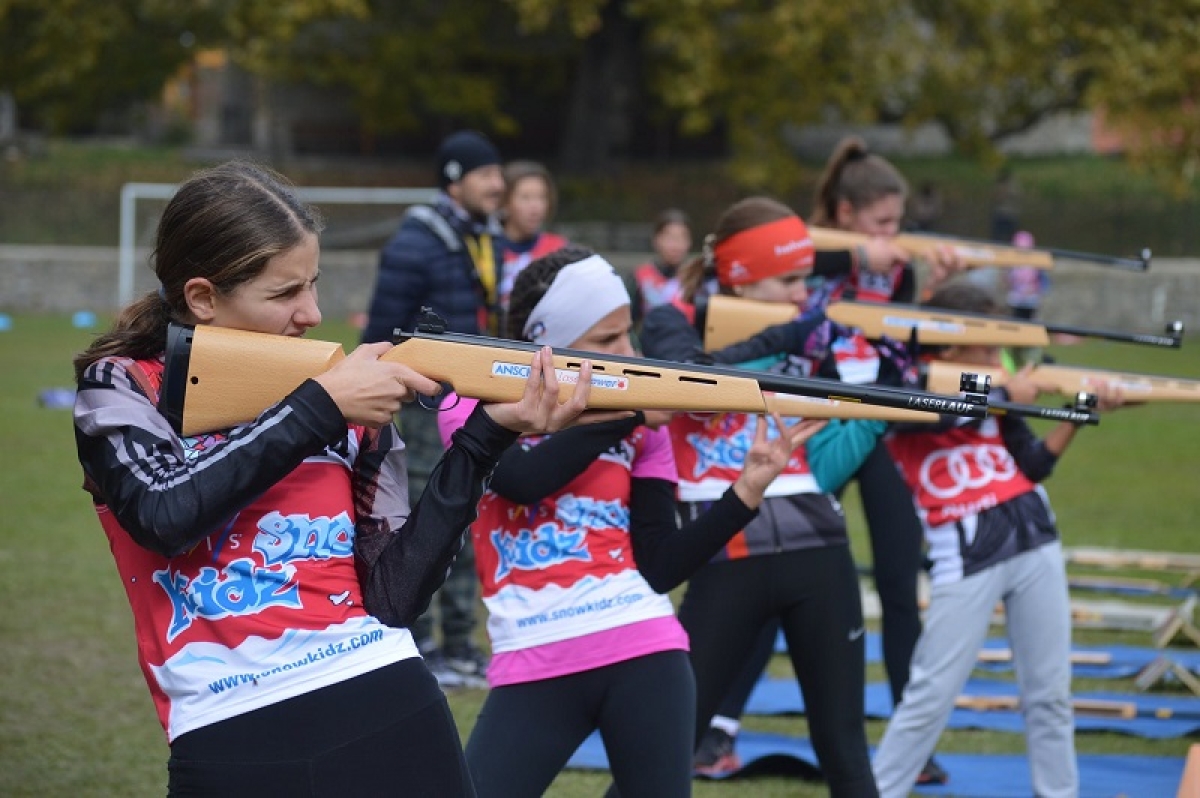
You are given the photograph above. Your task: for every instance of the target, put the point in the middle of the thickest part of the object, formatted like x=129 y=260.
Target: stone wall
x=69 y=279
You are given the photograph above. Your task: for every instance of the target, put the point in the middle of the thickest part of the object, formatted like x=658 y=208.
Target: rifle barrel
x=1138 y=264
x=1172 y=340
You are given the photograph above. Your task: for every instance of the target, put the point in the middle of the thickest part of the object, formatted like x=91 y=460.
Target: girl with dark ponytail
x=272 y=567
x=862 y=192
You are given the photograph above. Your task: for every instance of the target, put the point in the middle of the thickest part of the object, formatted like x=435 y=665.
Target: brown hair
x=516 y=171
x=223 y=224
x=669 y=217
x=742 y=215
x=963 y=295
x=856 y=175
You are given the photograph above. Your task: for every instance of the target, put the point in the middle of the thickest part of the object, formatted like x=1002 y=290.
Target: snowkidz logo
x=556 y=542
x=565 y=376
x=724 y=452
x=245 y=586
x=946 y=474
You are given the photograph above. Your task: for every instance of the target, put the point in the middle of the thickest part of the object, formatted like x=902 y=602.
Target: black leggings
x=813 y=593
x=643 y=707
x=387 y=732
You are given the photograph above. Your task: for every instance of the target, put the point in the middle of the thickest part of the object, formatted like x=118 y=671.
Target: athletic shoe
x=447 y=677
x=468 y=662
x=932 y=773
x=716 y=755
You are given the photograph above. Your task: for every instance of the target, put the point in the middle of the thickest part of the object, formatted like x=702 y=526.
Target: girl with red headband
x=791 y=567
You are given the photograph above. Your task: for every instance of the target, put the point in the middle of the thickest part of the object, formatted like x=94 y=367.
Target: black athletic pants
x=643 y=707
x=813 y=593
x=385 y=733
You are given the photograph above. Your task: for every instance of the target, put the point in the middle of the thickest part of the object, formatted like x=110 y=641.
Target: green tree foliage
x=68 y=61
x=983 y=68
x=754 y=69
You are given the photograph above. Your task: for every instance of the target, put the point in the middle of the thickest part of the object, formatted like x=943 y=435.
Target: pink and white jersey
x=266 y=609
x=710 y=449
x=563 y=570
x=958 y=472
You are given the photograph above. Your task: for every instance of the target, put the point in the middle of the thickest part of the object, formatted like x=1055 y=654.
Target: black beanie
x=463 y=152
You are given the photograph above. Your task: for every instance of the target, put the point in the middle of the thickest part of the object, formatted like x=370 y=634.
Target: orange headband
x=764 y=251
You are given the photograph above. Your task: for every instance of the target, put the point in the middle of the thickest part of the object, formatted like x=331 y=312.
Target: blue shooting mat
x=782 y=697
x=1125 y=661
x=971 y=775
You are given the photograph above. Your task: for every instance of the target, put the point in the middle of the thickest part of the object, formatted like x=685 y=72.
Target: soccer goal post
x=317 y=195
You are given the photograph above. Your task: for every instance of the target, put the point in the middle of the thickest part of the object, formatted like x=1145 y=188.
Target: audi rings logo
x=948 y=473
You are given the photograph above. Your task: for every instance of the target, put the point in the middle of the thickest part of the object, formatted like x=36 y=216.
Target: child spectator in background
x=992 y=538
x=656 y=282
x=1027 y=287
x=530 y=199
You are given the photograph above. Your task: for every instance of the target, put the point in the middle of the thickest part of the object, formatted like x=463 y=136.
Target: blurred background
x=1082 y=114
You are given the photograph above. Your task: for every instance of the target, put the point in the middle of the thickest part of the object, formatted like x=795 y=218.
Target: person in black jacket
x=271 y=567
x=444 y=257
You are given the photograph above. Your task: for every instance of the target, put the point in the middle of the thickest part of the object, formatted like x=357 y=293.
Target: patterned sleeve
x=167 y=501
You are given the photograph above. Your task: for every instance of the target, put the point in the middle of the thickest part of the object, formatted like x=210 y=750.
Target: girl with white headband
x=791 y=567
x=577 y=544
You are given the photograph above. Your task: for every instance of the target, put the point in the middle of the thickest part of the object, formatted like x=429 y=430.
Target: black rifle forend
x=1138 y=264
x=1171 y=339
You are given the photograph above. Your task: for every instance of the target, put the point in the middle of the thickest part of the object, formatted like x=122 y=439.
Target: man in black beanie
x=444 y=256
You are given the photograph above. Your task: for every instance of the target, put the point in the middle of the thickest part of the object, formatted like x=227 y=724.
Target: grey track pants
x=1033 y=588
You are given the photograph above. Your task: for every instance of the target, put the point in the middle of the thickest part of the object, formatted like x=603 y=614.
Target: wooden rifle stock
x=1070 y=380
x=1091 y=707
x=941 y=327
x=216 y=378
x=935 y=327
x=728 y=320
x=972 y=253
x=977 y=253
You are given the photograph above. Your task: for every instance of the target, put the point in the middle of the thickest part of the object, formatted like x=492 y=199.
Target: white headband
x=582 y=294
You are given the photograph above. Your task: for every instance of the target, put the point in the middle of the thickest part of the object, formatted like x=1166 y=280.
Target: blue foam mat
x=971 y=775
x=1125 y=661
x=782 y=697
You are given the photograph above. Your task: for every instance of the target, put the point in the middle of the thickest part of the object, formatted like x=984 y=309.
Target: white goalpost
x=317 y=195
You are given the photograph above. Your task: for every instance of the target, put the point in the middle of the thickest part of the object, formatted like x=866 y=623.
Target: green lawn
x=75 y=715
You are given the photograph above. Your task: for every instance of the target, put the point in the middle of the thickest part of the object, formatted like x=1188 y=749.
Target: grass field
x=75 y=715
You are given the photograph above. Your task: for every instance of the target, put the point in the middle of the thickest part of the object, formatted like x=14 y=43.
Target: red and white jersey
x=265 y=609
x=958 y=472
x=710 y=449
x=977 y=506
x=564 y=568
x=869 y=286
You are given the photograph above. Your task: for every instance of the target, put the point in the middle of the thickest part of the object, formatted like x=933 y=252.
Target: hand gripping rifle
x=977 y=253
x=725 y=320
x=216 y=378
